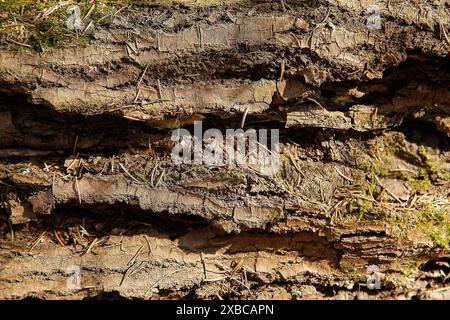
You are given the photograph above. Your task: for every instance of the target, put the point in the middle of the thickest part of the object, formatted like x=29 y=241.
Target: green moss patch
x=38 y=25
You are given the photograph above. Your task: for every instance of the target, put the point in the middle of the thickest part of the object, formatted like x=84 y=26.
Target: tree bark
x=361 y=193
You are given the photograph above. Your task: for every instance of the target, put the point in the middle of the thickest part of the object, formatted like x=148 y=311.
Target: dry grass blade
x=127 y=173
x=344 y=176
x=133 y=260
x=131 y=270
x=12 y=74
x=282 y=69
x=83 y=231
x=296 y=165
x=148 y=245
x=11 y=230
x=216 y=279
x=443 y=32
x=158 y=181
x=316 y=103
x=5 y=184
x=142 y=76
x=127 y=273
x=75 y=159
x=162 y=278
x=77 y=188
x=152 y=174
x=93 y=243
x=35 y=242
x=58 y=237
x=90 y=24
x=387 y=190
x=53 y=9
x=244 y=116
x=133 y=118
x=88 y=14
x=22 y=44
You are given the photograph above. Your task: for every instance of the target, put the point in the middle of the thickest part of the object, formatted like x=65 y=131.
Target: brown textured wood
x=86 y=178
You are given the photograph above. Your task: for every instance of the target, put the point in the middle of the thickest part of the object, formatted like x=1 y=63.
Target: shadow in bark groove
x=192 y=233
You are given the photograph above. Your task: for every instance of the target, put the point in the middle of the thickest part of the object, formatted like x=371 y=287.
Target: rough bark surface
x=86 y=177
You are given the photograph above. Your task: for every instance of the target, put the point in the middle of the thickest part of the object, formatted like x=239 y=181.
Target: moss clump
x=12 y=4
x=48 y=34
x=398 y=225
x=42 y=24
x=261 y=186
x=435 y=223
x=441 y=237
x=431 y=166
x=358 y=208
x=143 y=178
x=377 y=165
x=419 y=184
x=428 y=169
x=285 y=164
x=346 y=266
x=431 y=220
x=230 y=174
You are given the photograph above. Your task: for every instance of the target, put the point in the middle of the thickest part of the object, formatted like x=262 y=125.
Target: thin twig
x=137 y=96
